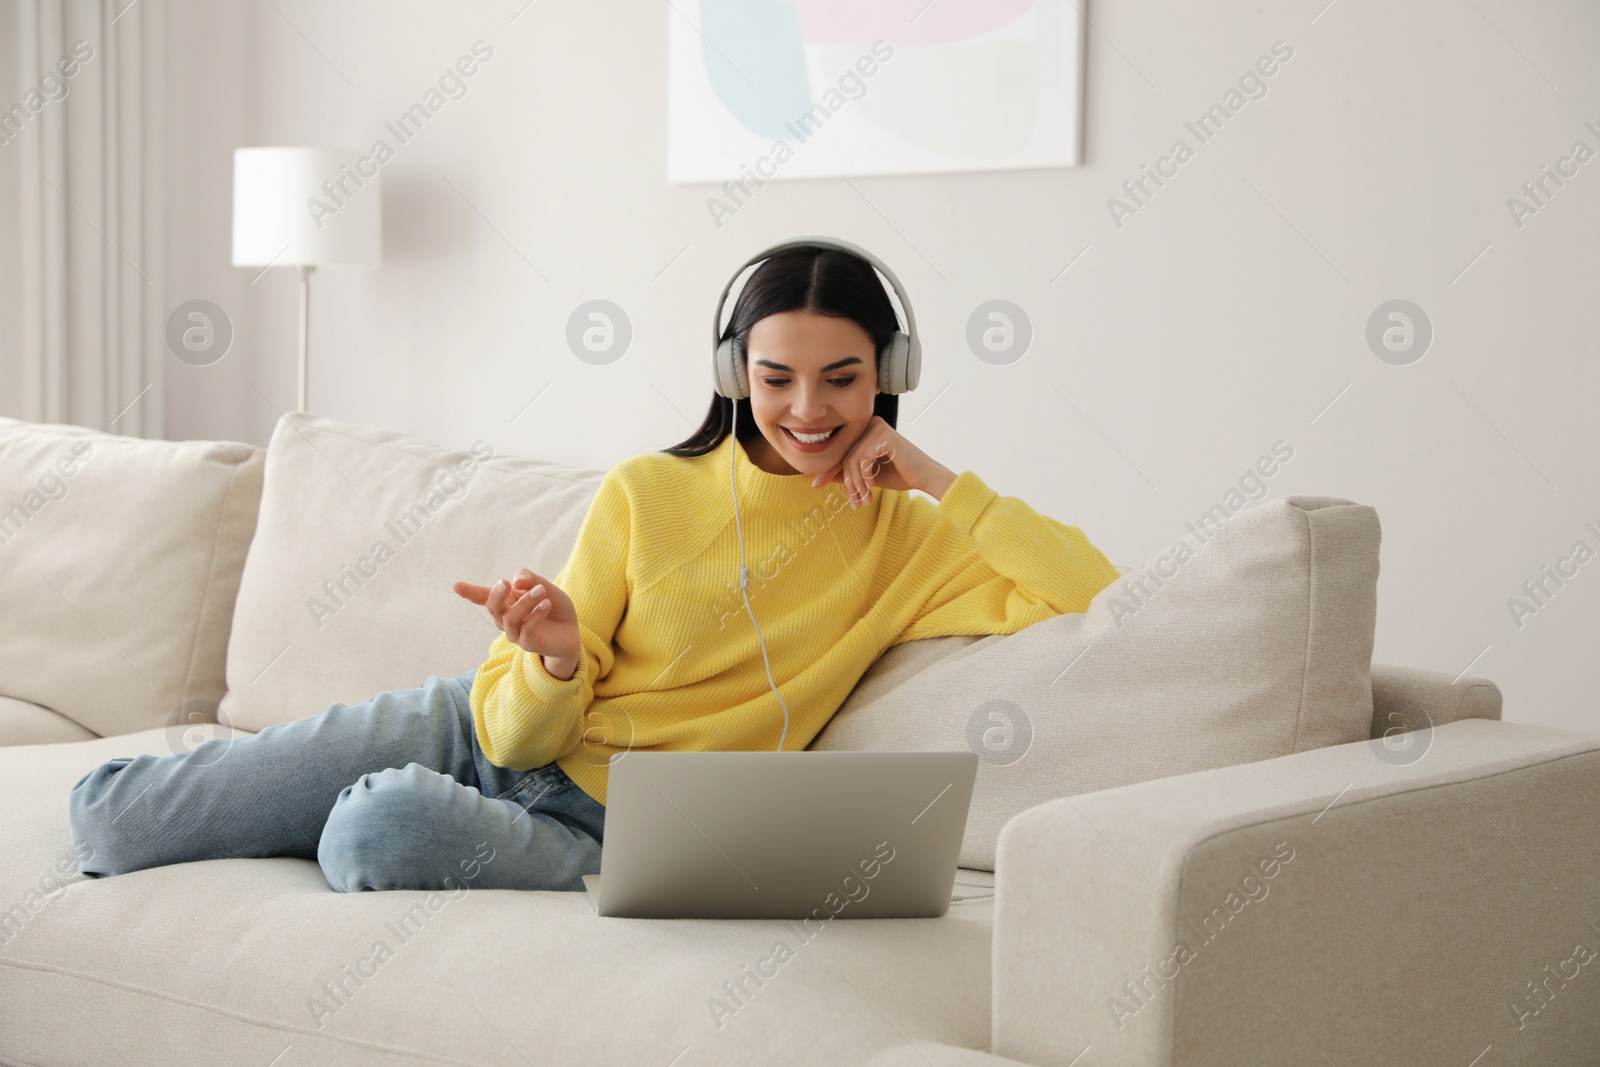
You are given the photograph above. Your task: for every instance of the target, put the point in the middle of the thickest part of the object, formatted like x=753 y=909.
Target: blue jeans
x=393 y=793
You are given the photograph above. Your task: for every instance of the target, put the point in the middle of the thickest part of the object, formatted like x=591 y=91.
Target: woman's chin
x=810 y=462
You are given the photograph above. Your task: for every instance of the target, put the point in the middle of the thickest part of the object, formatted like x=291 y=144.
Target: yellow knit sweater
x=669 y=658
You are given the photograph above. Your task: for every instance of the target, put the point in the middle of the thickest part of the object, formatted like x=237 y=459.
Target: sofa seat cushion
x=23 y=722
x=1249 y=639
x=236 y=960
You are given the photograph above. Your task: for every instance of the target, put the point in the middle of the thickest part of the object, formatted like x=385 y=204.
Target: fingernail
x=500 y=586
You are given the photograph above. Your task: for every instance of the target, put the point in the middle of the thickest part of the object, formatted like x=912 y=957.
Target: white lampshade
x=318 y=207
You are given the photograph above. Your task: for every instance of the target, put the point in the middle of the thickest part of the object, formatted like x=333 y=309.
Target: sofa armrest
x=1410 y=698
x=1332 y=904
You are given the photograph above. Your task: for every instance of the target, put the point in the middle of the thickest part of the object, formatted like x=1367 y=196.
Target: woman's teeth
x=811 y=438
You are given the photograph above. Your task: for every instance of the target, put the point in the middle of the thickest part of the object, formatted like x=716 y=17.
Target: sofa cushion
x=346 y=591
x=23 y=722
x=119 y=563
x=235 y=960
x=1242 y=642
x=1406 y=699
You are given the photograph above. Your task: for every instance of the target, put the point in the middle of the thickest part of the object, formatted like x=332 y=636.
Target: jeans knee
x=366 y=842
x=94 y=811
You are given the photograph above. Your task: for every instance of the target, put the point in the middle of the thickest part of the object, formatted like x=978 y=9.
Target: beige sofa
x=1270 y=853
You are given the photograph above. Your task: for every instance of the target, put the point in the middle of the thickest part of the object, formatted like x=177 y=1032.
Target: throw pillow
x=1242 y=642
x=119 y=563
x=346 y=591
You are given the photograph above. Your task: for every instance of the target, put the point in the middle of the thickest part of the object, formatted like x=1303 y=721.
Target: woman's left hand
x=882 y=457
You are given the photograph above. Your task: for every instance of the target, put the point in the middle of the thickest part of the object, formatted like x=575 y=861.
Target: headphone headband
x=900 y=363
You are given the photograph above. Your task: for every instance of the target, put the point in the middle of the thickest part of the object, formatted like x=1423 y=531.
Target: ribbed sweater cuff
x=965 y=501
x=546 y=687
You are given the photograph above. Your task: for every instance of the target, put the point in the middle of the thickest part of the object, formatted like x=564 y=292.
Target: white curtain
x=82 y=325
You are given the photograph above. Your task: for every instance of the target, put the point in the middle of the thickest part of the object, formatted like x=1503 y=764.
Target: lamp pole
x=305 y=326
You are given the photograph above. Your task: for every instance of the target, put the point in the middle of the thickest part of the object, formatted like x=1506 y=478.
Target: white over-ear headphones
x=899 y=368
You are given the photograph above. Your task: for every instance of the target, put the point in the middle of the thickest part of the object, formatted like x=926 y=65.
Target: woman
x=497 y=779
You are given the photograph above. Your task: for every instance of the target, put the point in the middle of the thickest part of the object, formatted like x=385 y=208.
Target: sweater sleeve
x=997 y=566
x=524 y=716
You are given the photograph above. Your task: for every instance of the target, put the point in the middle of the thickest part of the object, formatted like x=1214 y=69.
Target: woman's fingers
x=478 y=594
x=522 y=630
x=526 y=602
x=850 y=485
x=516 y=608
x=851 y=472
x=496 y=601
x=530 y=625
x=502 y=599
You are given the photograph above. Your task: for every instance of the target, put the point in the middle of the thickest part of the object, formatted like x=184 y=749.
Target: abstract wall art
x=765 y=90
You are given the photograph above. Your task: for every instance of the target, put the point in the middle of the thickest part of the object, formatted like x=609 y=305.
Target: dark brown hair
x=828 y=281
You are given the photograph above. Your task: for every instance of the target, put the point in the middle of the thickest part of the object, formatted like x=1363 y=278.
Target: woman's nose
x=808 y=405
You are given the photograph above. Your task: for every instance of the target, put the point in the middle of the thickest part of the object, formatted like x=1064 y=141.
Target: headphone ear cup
x=893 y=367
x=728 y=365
x=740 y=378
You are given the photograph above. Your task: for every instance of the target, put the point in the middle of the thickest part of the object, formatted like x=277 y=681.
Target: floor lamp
x=305 y=208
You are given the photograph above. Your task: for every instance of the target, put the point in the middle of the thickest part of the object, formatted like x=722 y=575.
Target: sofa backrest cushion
x=119 y=564
x=346 y=592
x=1244 y=641
x=1406 y=698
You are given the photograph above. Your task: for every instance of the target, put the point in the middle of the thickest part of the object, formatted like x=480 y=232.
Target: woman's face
x=810 y=373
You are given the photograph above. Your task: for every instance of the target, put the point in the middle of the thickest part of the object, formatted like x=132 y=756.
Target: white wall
x=1222 y=317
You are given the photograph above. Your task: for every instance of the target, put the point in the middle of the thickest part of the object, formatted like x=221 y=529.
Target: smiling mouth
x=814 y=439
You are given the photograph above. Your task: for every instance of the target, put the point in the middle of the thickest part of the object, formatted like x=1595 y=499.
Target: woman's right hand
x=532 y=612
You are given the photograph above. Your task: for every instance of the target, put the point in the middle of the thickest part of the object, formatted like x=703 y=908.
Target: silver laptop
x=782 y=835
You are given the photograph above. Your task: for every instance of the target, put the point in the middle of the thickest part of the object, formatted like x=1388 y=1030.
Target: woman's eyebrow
x=831 y=366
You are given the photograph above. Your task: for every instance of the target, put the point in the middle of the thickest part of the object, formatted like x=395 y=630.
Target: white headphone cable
x=744 y=589
x=744 y=574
